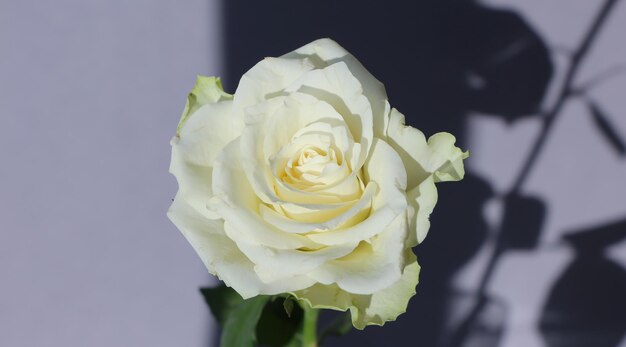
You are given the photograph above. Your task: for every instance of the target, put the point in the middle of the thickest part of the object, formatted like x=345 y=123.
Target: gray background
x=90 y=94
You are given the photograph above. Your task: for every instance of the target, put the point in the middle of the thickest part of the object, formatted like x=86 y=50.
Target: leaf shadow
x=587 y=304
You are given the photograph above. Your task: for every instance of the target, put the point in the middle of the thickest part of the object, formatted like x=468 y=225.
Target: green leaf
x=288 y=305
x=239 y=330
x=277 y=328
x=273 y=321
x=221 y=300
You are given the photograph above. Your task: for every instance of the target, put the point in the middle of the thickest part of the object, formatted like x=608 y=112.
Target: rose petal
x=384 y=167
x=375 y=309
x=267 y=79
x=446 y=161
x=195 y=148
x=325 y=52
x=194 y=182
x=410 y=144
x=422 y=199
x=371 y=266
x=237 y=204
x=270 y=126
x=438 y=156
x=273 y=123
x=222 y=257
x=346 y=214
x=198 y=143
x=337 y=86
x=280 y=264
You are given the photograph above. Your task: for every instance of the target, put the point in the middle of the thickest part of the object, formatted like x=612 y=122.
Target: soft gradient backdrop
x=90 y=94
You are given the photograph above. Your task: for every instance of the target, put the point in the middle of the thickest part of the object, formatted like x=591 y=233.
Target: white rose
x=305 y=181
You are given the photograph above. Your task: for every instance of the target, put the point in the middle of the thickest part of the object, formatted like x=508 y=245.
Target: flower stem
x=309 y=327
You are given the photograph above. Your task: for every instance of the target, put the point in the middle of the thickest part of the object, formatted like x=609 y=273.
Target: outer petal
x=438 y=156
x=194 y=182
x=195 y=148
x=375 y=309
x=410 y=144
x=371 y=266
x=222 y=257
x=198 y=142
x=268 y=79
x=325 y=52
x=446 y=159
x=426 y=162
x=422 y=199
x=207 y=90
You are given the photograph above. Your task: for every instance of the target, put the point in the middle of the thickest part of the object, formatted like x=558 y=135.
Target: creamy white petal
x=438 y=155
x=222 y=257
x=384 y=167
x=195 y=148
x=194 y=182
x=387 y=304
x=337 y=86
x=374 y=309
x=371 y=266
x=325 y=52
x=423 y=199
x=347 y=188
x=197 y=141
x=237 y=204
x=267 y=79
x=370 y=226
x=447 y=160
x=410 y=144
x=270 y=126
x=287 y=224
x=279 y=264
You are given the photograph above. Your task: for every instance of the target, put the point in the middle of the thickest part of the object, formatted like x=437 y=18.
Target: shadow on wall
x=587 y=305
x=440 y=60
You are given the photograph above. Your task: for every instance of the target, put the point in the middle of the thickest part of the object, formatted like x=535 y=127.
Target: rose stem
x=309 y=326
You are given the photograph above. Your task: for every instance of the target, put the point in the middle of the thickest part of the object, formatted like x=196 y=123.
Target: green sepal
x=277 y=328
x=208 y=90
x=221 y=300
x=272 y=321
x=239 y=329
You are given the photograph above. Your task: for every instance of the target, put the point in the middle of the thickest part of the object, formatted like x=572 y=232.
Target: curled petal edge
x=374 y=309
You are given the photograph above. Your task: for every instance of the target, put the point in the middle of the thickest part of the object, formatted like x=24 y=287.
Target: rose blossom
x=305 y=181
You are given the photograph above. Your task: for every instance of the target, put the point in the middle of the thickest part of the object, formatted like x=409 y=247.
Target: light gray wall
x=90 y=94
